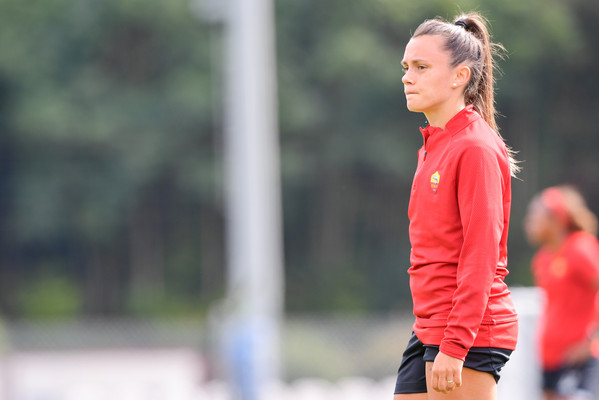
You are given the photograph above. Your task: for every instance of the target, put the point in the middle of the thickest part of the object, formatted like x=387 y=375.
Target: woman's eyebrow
x=415 y=61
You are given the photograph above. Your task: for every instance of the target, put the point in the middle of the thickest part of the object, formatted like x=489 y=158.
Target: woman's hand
x=446 y=373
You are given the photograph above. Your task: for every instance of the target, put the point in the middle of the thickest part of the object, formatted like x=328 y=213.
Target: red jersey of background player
x=567 y=277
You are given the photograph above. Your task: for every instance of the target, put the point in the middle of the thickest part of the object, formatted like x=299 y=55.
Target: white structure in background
x=116 y=374
x=521 y=377
x=253 y=310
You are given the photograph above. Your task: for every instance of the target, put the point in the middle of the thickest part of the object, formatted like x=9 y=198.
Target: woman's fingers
x=442 y=382
x=445 y=373
x=458 y=380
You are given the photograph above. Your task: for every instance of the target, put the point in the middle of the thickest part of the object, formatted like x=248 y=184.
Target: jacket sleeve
x=480 y=191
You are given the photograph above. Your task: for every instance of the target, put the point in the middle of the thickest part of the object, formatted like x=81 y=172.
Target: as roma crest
x=435 y=178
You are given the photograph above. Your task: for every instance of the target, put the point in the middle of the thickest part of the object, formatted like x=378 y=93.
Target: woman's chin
x=413 y=108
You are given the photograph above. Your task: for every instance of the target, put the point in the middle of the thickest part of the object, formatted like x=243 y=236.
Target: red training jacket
x=567 y=277
x=459 y=216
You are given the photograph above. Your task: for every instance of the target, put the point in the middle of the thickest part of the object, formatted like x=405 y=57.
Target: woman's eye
x=404 y=69
x=421 y=67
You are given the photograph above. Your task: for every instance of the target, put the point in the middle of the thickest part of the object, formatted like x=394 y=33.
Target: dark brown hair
x=468 y=41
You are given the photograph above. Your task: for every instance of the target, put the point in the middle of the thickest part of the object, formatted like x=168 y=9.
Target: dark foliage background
x=111 y=196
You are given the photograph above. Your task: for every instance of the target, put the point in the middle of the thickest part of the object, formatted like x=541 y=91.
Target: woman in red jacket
x=466 y=325
x=566 y=268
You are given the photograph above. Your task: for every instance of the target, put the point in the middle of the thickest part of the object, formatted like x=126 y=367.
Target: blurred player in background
x=566 y=268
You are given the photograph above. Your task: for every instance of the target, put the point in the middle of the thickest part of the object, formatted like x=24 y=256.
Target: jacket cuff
x=453 y=350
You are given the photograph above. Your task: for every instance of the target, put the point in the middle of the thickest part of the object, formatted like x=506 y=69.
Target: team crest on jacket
x=435 y=178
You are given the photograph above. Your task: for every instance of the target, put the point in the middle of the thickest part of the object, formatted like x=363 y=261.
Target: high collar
x=458 y=122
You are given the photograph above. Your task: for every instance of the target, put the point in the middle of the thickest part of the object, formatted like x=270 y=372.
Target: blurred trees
x=111 y=158
x=110 y=178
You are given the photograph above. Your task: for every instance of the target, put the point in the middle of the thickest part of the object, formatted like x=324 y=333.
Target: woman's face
x=427 y=76
x=538 y=223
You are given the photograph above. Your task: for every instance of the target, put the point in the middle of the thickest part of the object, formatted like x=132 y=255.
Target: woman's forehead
x=429 y=48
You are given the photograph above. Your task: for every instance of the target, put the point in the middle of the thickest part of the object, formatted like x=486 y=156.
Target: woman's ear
x=462 y=76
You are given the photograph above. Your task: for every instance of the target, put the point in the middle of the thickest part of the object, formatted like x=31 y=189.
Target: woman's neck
x=440 y=117
x=557 y=240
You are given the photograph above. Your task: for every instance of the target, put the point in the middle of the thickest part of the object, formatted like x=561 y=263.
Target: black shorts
x=568 y=380
x=411 y=376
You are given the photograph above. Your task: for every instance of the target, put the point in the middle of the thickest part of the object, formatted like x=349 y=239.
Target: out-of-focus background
x=113 y=263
